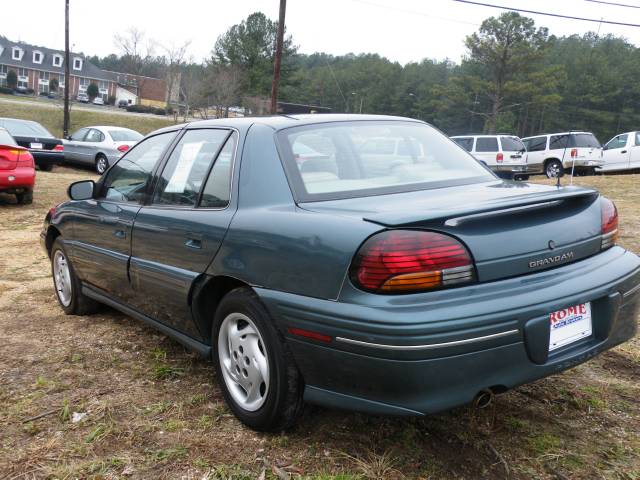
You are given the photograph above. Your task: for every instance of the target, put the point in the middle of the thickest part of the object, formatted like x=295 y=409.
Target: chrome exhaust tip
x=483 y=399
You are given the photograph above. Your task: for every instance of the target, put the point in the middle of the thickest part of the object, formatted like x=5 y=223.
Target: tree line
x=515 y=78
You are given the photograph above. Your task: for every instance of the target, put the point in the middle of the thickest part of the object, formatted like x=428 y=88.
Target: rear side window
x=558 y=141
x=217 y=190
x=188 y=166
x=511 y=144
x=487 y=144
x=465 y=142
x=6 y=139
x=584 y=140
x=536 y=144
x=128 y=179
x=94 y=136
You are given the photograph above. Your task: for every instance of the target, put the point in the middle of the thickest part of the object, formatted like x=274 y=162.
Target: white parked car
x=98 y=101
x=556 y=153
x=504 y=154
x=622 y=152
x=100 y=146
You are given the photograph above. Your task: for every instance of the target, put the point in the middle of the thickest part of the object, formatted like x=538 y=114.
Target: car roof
x=477 y=135
x=109 y=127
x=20 y=120
x=575 y=132
x=281 y=122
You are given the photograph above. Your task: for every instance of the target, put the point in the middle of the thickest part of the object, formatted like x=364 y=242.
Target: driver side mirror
x=68 y=137
x=82 y=190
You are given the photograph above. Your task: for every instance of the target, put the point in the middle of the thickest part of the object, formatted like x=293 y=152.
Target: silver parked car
x=99 y=146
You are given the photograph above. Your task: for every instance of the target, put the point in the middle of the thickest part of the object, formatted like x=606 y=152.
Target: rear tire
x=267 y=394
x=553 y=169
x=45 y=167
x=25 y=198
x=102 y=164
x=67 y=285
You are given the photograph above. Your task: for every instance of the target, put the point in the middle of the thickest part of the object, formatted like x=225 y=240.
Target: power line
x=614 y=4
x=557 y=15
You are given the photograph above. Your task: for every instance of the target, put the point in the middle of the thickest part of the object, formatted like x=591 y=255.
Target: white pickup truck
x=622 y=152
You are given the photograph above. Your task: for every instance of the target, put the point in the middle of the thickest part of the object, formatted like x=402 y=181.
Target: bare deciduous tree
x=176 y=58
x=222 y=87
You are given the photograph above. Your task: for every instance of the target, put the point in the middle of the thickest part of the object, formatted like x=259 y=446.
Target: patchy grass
x=50 y=115
x=154 y=410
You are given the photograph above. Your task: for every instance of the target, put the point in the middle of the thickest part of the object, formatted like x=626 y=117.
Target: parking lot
x=150 y=409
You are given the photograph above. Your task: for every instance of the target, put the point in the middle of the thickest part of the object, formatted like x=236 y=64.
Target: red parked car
x=17 y=169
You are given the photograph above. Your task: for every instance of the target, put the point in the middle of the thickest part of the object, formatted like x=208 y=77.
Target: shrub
x=111 y=100
x=92 y=91
x=54 y=84
x=146 y=109
x=7 y=90
x=30 y=91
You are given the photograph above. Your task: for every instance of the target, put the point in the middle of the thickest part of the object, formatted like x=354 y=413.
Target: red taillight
x=58 y=148
x=123 y=148
x=25 y=159
x=574 y=152
x=499 y=158
x=398 y=261
x=609 y=223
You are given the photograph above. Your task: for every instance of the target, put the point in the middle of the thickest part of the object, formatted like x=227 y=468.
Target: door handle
x=120 y=234
x=194 y=243
x=623 y=151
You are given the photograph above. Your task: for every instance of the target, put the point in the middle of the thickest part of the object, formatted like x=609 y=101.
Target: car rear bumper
x=47 y=156
x=519 y=168
x=17 y=180
x=424 y=353
x=582 y=163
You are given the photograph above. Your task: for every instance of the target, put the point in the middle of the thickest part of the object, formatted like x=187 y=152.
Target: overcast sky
x=401 y=30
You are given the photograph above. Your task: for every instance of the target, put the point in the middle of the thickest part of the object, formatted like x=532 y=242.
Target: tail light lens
x=499 y=158
x=574 y=152
x=123 y=148
x=59 y=148
x=399 y=261
x=609 y=223
x=25 y=159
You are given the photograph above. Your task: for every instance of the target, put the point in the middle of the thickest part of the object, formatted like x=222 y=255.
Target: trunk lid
x=9 y=157
x=47 y=143
x=509 y=228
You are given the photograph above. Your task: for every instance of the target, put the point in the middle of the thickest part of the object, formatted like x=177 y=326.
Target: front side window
x=486 y=144
x=128 y=179
x=464 y=142
x=79 y=135
x=94 y=136
x=347 y=165
x=618 y=142
x=536 y=144
x=188 y=166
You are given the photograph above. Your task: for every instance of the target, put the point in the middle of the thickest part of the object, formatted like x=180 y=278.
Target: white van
x=504 y=154
x=622 y=152
x=556 y=153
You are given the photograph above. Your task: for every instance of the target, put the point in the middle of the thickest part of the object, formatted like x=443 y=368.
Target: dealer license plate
x=569 y=325
x=36 y=145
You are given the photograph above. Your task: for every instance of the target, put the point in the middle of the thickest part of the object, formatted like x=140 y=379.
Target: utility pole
x=67 y=80
x=278 y=59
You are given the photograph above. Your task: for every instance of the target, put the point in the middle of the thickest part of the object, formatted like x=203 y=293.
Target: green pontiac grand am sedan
x=352 y=261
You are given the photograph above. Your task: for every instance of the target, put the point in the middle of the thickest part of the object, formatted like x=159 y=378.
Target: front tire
x=67 y=285
x=553 y=169
x=256 y=372
x=101 y=164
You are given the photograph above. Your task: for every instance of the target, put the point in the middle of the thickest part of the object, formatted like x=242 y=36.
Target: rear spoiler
x=456 y=216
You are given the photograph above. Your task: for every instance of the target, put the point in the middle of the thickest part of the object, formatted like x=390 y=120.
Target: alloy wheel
x=244 y=361
x=101 y=165
x=62 y=278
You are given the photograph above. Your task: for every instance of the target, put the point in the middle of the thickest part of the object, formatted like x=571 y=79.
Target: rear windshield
x=357 y=159
x=125 y=135
x=585 y=140
x=25 y=128
x=6 y=139
x=511 y=144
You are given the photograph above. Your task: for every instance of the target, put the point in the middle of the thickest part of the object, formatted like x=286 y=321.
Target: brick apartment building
x=35 y=67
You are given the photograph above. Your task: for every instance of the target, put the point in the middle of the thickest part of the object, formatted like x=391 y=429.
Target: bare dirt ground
x=153 y=410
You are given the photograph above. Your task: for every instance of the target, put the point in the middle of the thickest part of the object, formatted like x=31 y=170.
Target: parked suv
x=555 y=153
x=504 y=154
